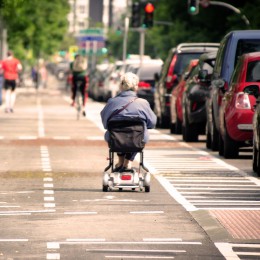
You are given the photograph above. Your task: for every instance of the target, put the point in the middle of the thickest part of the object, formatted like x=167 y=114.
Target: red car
x=176 y=100
x=238 y=105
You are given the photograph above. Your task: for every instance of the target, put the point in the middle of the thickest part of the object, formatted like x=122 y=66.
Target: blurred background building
x=89 y=13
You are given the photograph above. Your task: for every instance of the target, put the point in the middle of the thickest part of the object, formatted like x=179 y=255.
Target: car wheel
x=214 y=136
x=220 y=145
x=208 y=138
x=255 y=158
x=165 y=122
x=172 y=128
x=189 y=133
x=178 y=126
x=230 y=146
x=61 y=75
x=258 y=161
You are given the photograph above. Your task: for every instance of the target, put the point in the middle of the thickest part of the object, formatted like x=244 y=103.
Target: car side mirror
x=156 y=76
x=186 y=75
x=252 y=90
x=220 y=83
x=203 y=74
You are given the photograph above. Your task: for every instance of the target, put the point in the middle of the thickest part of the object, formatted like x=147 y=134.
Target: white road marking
x=14 y=240
x=27 y=137
x=53 y=256
x=161 y=239
x=85 y=239
x=47 y=179
x=95 y=138
x=53 y=245
x=48 y=198
x=80 y=212
x=139 y=257
x=146 y=212
x=61 y=137
x=48 y=192
x=226 y=250
x=48 y=185
x=49 y=205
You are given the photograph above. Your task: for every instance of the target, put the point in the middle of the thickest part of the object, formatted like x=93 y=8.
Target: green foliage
x=33 y=25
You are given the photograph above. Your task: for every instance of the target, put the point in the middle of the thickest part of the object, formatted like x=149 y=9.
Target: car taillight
x=170 y=79
x=143 y=84
x=242 y=101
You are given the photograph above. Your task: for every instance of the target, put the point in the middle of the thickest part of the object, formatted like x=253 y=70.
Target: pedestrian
x=137 y=108
x=11 y=67
x=1 y=83
x=43 y=74
x=78 y=69
x=35 y=76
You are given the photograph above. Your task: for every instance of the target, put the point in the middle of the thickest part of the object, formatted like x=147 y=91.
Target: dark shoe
x=125 y=169
x=84 y=113
x=11 y=110
x=117 y=169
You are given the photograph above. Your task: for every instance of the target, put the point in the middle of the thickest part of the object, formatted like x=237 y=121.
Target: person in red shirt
x=11 y=67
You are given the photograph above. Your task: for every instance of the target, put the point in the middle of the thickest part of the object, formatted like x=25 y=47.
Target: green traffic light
x=192 y=9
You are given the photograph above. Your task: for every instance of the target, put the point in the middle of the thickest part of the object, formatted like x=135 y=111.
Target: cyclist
x=133 y=107
x=78 y=69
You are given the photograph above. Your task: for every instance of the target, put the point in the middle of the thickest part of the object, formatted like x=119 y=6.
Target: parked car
x=256 y=138
x=97 y=78
x=233 y=45
x=194 y=97
x=177 y=60
x=61 y=69
x=237 y=107
x=111 y=84
x=176 y=99
x=146 y=73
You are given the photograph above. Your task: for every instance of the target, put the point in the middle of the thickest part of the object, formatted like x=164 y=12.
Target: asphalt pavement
x=52 y=205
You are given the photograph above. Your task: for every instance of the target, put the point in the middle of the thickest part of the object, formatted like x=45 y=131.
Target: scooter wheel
x=105 y=188
x=147 y=188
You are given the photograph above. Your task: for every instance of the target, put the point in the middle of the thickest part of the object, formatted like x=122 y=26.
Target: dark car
x=146 y=73
x=194 y=98
x=176 y=99
x=233 y=45
x=256 y=138
x=177 y=60
x=237 y=108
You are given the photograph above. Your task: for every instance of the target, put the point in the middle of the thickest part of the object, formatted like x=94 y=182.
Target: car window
x=246 y=46
x=147 y=72
x=183 y=60
x=220 y=55
x=237 y=72
x=253 y=71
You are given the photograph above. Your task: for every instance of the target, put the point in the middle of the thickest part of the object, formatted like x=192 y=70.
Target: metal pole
x=125 y=38
x=233 y=8
x=141 y=45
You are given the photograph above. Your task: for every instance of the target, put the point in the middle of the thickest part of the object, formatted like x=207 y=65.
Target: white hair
x=129 y=81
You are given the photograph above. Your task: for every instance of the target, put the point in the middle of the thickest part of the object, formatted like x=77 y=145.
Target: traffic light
x=148 y=15
x=193 y=7
x=136 y=15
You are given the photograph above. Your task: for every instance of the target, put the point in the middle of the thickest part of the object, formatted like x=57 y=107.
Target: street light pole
x=229 y=6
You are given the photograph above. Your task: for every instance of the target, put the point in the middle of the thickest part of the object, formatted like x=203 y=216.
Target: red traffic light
x=149 y=8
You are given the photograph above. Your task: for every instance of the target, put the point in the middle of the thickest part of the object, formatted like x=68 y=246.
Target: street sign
x=92 y=31
x=90 y=38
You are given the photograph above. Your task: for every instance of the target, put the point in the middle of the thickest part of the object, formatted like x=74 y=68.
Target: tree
x=36 y=26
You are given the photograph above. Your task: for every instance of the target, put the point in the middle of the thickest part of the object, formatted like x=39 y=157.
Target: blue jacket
x=139 y=108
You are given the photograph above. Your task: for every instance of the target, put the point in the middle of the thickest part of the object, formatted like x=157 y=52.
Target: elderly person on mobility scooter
x=124 y=107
